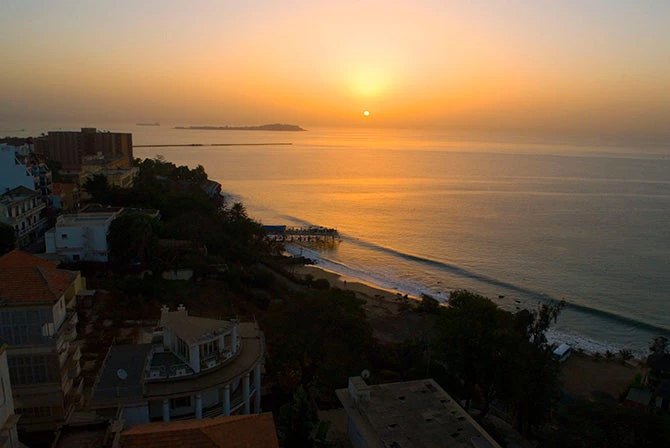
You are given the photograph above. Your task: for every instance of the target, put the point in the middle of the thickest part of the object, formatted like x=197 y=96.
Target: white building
x=8 y=419
x=196 y=368
x=81 y=237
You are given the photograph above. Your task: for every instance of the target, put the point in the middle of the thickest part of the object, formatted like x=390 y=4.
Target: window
x=209 y=348
x=31 y=369
x=181 y=402
x=181 y=348
x=37 y=411
x=63 y=236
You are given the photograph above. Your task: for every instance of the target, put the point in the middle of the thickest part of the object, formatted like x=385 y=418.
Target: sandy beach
x=388 y=319
x=581 y=376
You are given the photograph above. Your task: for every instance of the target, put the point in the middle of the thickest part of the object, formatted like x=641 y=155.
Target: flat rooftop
x=84 y=220
x=412 y=414
x=122 y=376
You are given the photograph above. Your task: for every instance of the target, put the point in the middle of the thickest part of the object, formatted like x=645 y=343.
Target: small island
x=263 y=127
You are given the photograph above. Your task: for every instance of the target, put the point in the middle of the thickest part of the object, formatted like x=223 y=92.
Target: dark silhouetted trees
x=501 y=356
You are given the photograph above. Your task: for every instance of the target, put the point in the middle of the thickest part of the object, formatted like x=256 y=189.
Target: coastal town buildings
x=65 y=197
x=8 y=419
x=71 y=147
x=408 y=414
x=23 y=210
x=39 y=324
x=80 y=237
x=20 y=169
x=238 y=431
x=83 y=236
x=195 y=368
x=122 y=177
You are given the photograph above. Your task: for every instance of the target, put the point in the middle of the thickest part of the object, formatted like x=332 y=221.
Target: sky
x=580 y=66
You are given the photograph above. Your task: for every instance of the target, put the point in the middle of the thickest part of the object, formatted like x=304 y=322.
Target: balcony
x=68 y=329
x=36 y=225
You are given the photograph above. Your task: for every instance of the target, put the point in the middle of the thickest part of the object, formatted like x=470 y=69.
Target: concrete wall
x=88 y=242
x=357 y=440
x=59 y=312
x=6 y=401
x=210 y=398
x=135 y=415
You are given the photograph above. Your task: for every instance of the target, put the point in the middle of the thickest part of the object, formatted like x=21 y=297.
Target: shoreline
x=390 y=320
x=389 y=298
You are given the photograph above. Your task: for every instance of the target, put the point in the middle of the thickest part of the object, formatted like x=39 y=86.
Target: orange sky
x=591 y=66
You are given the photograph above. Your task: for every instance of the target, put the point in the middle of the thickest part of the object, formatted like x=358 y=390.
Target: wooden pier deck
x=295 y=233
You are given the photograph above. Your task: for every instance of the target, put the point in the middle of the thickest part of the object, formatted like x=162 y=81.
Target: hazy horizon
x=594 y=67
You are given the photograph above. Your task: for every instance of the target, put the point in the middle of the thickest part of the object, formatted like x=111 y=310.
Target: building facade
x=39 y=323
x=65 y=197
x=71 y=147
x=23 y=210
x=196 y=368
x=80 y=237
x=8 y=419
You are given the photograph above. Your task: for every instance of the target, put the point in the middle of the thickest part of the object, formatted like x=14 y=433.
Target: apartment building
x=23 y=210
x=71 y=147
x=38 y=322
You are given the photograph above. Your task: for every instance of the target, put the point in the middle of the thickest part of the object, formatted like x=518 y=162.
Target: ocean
x=523 y=222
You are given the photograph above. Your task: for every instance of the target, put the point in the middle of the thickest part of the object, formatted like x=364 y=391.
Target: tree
x=133 y=238
x=296 y=422
x=98 y=187
x=599 y=424
x=659 y=345
x=500 y=355
x=317 y=339
x=474 y=342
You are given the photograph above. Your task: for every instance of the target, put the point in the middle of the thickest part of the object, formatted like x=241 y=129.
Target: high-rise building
x=71 y=147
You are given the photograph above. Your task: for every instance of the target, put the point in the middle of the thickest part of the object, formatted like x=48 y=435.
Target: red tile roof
x=238 y=431
x=25 y=278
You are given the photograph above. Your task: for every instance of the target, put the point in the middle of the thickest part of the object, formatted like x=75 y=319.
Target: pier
x=212 y=144
x=300 y=234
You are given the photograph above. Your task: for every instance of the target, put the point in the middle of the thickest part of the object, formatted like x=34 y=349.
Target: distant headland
x=263 y=127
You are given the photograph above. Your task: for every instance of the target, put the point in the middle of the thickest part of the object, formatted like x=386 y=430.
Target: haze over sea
x=424 y=211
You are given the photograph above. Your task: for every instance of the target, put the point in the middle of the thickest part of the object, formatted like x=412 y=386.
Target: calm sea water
x=423 y=211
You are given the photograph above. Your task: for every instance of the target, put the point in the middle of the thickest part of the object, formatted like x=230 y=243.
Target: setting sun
x=366 y=113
